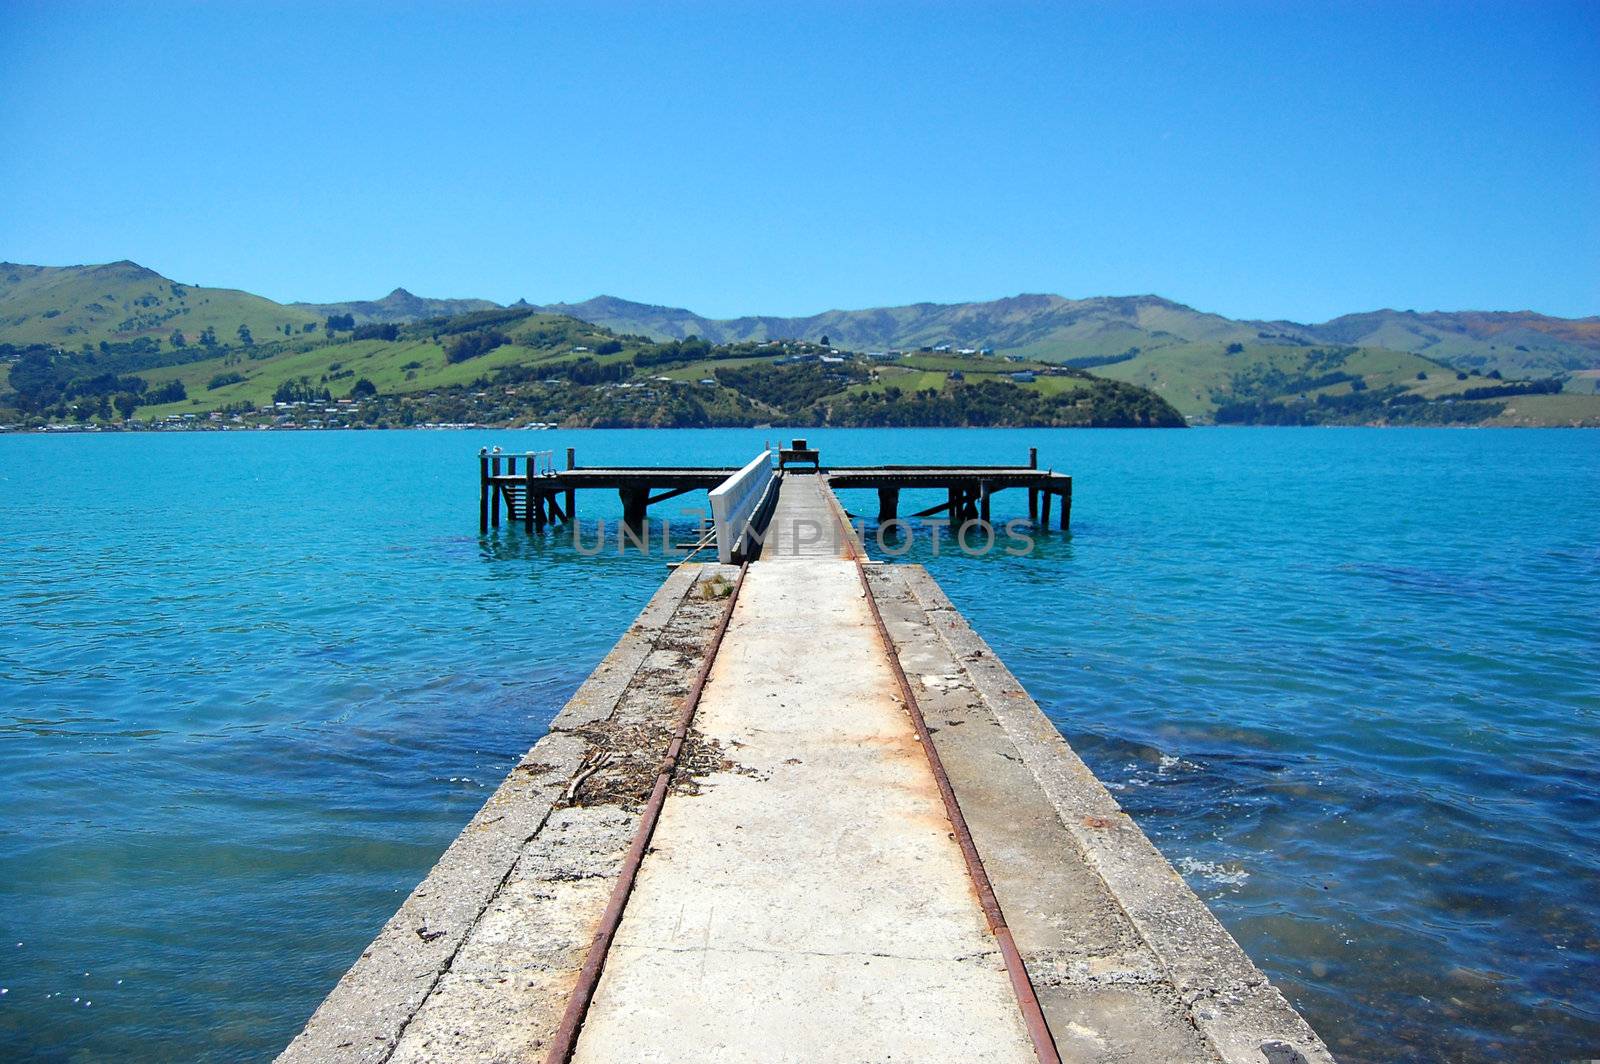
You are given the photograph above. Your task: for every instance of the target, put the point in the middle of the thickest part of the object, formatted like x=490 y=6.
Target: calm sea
x=252 y=684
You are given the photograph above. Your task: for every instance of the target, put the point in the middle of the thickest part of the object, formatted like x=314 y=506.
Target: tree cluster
x=473 y=344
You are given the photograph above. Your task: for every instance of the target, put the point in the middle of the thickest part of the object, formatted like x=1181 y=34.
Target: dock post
x=494 y=470
x=572 y=494
x=527 y=495
x=1033 y=458
x=1066 y=507
x=888 y=504
x=1044 y=516
x=483 y=490
x=536 y=508
x=634 y=502
x=983 y=501
x=1033 y=505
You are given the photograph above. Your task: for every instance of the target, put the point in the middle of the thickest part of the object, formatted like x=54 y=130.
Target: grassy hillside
x=137 y=321
x=1517 y=342
x=1198 y=378
x=1534 y=411
x=122 y=301
x=1287 y=384
x=515 y=366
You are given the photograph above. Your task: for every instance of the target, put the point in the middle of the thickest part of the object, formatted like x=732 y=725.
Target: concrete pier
x=805 y=895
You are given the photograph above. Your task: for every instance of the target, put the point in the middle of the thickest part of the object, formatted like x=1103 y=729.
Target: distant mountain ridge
x=1055 y=328
x=399 y=307
x=124 y=301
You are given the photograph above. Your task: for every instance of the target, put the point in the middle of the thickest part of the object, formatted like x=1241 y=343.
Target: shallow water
x=252 y=684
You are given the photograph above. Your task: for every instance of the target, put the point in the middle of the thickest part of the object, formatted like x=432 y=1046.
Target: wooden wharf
x=539 y=495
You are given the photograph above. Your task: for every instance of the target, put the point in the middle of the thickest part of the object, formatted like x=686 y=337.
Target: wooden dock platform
x=539 y=495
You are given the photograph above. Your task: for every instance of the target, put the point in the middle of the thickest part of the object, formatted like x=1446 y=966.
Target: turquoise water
x=252 y=684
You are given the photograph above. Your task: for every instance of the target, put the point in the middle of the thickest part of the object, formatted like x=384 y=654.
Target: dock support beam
x=888 y=504
x=1066 y=507
x=983 y=502
x=1044 y=514
x=1033 y=458
x=1033 y=505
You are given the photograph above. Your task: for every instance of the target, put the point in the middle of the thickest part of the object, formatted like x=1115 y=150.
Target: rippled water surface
x=252 y=684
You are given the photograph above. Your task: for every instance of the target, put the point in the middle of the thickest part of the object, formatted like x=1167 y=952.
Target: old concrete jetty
x=801 y=812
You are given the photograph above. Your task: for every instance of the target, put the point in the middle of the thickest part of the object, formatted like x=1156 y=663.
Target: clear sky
x=1258 y=160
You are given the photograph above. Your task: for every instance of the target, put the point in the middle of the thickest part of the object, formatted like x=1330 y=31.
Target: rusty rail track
x=1044 y=1044
x=565 y=1039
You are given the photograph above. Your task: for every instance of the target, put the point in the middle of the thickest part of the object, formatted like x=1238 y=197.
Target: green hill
x=514 y=366
x=1198 y=378
x=1331 y=384
x=122 y=331
x=122 y=301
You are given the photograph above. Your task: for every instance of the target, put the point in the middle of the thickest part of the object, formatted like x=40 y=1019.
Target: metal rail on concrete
x=566 y=1037
x=1044 y=1044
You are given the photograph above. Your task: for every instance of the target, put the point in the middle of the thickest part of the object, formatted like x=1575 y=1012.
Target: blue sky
x=1258 y=160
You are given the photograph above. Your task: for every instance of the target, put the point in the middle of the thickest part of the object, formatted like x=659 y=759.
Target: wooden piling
x=983 y=502
x=1044 y=515
x=1033 y=458
x=1033 y=505
x=572 y=494
x=527 y=494
x=483 y=490
x=494 y=504
x=1066 y=506
x=634 y=502
x=888 y=504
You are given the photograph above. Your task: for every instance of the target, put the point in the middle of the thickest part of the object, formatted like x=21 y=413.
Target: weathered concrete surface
x=809 y=903
x=803 y=898
x=1128 y=962
x=477 y=963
